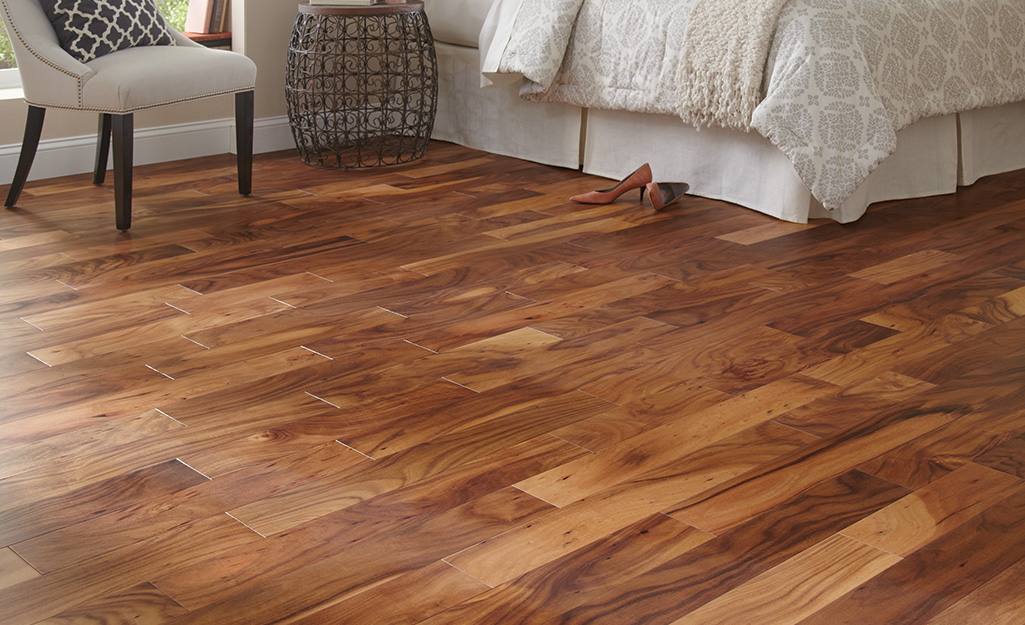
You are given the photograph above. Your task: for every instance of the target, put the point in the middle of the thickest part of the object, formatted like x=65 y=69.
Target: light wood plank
x=798 y=587
x=921 y=517
x=906 y=267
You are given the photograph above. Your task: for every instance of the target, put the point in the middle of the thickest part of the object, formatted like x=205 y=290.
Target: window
x=173 y=10
x=8 y=75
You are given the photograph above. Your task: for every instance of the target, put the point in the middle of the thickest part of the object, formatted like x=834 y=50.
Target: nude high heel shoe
x=635 y=180
x=663 y=194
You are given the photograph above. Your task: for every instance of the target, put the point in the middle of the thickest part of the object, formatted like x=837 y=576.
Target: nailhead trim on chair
x=140 y=108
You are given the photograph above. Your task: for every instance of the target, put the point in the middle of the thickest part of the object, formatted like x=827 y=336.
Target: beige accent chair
x=116 y=85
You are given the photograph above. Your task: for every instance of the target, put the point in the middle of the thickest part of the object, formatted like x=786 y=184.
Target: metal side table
x=361 y=84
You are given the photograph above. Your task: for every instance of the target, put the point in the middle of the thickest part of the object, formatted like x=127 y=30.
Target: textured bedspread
x=841 y=76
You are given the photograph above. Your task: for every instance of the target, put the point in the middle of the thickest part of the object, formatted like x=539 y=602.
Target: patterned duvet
x=841 y=77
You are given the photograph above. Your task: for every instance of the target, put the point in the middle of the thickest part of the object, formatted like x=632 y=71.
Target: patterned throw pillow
x=91 y=28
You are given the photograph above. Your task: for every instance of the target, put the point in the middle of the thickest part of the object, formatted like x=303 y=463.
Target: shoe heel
x=637 y=179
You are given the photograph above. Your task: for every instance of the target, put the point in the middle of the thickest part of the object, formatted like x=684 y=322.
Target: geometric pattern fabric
x=88 y=29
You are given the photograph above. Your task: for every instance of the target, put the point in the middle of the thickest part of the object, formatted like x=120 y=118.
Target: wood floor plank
x=45 y=515
x=483 y=374
x=565 y=583
x=849 y=407
x=664 y=402
x=172 y=325
x=1008 y=457
x=14 y=569
x=921 y=461
x=933 y=510
x=141 y=605
x=377 y=430
x=316 y=498
x=128 y=524
x=657 y=446
x=574 y=526
x=798 y=587
x=695 y=578
x=983 y=546
x=59 y=479
x=49 y=595
x=906 y=267
x=881 y=356
x=65 y=447
x=335 y=577
x=1000 y=601
x=423 y=593
x=219 y=578
x=748 y=495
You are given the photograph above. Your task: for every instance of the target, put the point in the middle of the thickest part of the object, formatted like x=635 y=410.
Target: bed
x=826 y=106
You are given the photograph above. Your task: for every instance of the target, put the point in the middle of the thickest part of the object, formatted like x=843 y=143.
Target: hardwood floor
x=440 y=393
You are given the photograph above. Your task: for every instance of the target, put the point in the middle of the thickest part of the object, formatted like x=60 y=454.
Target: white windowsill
x=10 y=79
x=13 y=93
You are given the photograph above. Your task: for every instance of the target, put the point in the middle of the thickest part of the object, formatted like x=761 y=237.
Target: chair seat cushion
x=139 y=78
x=88 y=29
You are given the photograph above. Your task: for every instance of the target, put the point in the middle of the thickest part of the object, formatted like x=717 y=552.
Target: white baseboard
x=74 y=155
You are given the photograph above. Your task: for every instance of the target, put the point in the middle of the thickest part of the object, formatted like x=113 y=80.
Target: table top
x=382 y=7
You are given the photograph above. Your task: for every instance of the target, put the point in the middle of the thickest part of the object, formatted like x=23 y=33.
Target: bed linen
x=841 y=77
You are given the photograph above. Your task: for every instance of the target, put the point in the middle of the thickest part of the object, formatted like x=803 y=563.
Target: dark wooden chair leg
x=244 y=140
x=33 y=128
x=102 y=149
x=122 y=127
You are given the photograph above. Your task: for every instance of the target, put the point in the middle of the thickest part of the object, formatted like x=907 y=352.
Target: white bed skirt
x=744 y=168
x=992 y=142
x=933 y=156
x=497 y=120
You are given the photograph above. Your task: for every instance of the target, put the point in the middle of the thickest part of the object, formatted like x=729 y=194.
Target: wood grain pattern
x=442 y=393
x=14 y=569
x=516 y=552
x=141 y=605
x=251 y=565
x=1008 y=457
x=48 y=514
x=1000 y=601
x=691 y=580
x=567 y=582
x=958 y=563
x=798 y=587
x=933 y=510
x=42 y=597
x=764 y=488
x=903 y=268
x=425 y=592
x=658 y=446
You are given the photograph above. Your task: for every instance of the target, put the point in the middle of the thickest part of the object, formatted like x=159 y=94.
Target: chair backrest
x=49 y=75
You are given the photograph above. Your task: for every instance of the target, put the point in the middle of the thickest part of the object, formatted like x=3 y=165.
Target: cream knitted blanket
x=725 y=46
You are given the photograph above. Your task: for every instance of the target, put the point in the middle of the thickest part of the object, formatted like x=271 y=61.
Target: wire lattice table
x=361 y=84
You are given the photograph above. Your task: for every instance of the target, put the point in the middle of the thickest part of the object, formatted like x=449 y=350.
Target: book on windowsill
x=342 y=3
x=218 y=17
